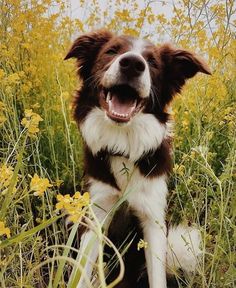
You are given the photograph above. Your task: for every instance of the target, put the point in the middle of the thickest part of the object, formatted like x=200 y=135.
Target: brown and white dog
x=121 y=110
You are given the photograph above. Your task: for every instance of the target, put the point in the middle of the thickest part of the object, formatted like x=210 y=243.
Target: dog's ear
x=180 y=65
x=85 y=49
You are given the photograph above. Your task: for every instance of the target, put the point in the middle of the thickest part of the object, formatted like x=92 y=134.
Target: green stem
x=22 y=236
x=10 y=192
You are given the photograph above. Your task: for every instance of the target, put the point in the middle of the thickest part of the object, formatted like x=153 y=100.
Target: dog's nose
x=132 y=65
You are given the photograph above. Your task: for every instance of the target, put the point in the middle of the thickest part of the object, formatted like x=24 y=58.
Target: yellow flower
x=142 y=244
x=65 y=95
x=2 y=73
x=179 y=169
x=39 y=185
x=73 y=205
x=185 y=123
x=2 y=119
x=2 y=108
x=13 y=78
x=83 y=199
x=6 y=173
x=4 y=230
x=31 y=121
x=58 y=182
x=63 y=201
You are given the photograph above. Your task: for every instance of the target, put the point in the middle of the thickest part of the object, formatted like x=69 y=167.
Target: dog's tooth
x=108 y=98
x=126 y=115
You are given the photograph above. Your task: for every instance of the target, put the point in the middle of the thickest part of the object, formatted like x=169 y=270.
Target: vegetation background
x=40 y=147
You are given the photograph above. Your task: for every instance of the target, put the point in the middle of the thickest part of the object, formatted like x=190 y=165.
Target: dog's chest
x=141 y=192
x=123 y=171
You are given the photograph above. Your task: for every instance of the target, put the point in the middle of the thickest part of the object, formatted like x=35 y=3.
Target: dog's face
x=128 y=68
x=129 y=76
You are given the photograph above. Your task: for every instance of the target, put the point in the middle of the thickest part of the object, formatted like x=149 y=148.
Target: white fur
x=183 y=248
x=104 y=196
x=138 y=45
x=147 y=197
x=142 y=134
x=113 y=76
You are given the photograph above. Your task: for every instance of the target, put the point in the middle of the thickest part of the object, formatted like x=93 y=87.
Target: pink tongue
x=126 y=106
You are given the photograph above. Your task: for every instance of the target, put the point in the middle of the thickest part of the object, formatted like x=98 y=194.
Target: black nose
x=132 y=65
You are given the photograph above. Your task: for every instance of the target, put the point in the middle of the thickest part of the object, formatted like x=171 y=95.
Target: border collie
x=122 y=112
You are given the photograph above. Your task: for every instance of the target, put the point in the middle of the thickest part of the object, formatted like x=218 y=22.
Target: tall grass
x=40 y=250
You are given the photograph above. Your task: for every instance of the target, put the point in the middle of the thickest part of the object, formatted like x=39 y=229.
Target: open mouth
x=121 y=102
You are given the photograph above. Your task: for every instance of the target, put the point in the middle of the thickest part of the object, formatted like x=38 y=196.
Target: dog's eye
x=152 y=62
x=111 y=51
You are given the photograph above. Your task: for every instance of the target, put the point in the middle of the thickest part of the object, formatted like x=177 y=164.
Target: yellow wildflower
x=6 y=173
x=84 y=199
x=2 y=73
x=193 y=154
x=63 y=201
x=4 y=230
x=2 y=120
x=39 y=185
x=58 y=182
x=13 y=78
x=142 y=244
x=2 y=108
x=65 y=95
x=73 y=205
x=185 y=123
x=179 y=169
x=31 y=121
x=36 y=105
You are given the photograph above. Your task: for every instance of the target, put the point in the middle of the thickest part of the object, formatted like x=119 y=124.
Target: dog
x=122 y=113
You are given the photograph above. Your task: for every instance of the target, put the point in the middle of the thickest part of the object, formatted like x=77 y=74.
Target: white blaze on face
x=142 y=83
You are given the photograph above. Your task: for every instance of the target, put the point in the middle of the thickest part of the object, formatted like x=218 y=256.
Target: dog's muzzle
x=125 y=87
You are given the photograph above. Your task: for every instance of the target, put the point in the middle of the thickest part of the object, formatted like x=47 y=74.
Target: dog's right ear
x=85 y=49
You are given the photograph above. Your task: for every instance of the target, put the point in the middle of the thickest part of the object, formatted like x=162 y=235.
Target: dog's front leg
x=88 y=255
x=148 y=199
x=103 y=197
x=155 y=253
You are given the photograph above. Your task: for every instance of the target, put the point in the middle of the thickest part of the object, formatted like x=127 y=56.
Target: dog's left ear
x=85 y=49
x=180 y=65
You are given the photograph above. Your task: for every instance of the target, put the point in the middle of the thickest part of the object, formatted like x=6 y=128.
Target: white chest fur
x=142 y=134
x=145 y=195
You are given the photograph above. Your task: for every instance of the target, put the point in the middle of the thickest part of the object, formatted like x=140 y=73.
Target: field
x=41 y=157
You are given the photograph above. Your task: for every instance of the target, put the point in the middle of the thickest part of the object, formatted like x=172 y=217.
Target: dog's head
x=129 y=75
